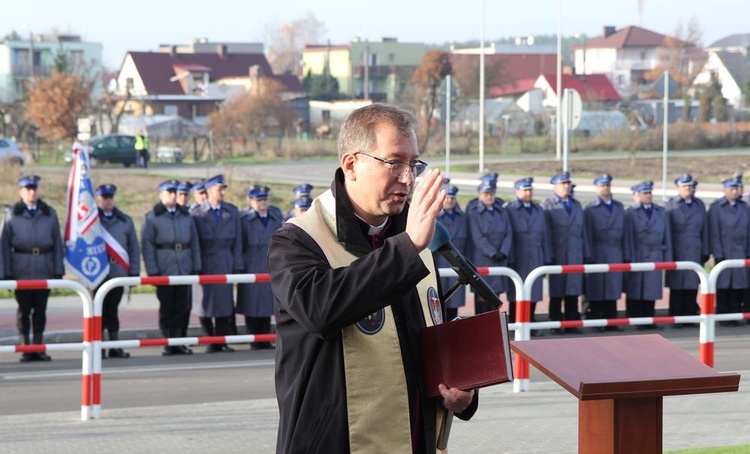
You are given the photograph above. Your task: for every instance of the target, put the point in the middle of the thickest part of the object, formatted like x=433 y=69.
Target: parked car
x=11 y=152
x=115 y=148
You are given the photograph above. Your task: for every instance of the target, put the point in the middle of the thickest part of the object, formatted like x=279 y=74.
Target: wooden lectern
x=620 y=382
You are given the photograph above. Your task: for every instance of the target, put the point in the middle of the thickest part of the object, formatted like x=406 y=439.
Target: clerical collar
x=374 y=229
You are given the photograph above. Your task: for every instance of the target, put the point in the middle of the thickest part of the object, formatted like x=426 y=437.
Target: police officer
x=300 y=206
x=32 y=249
x=647 y=239
x=604 y=219
x=729 y=238
x=531 y=244
x=122 y=230
x=170 y=247
x=490 y=237
x=219 y=230
x=301 y=191
x=487 y=178
x=688 y=223
x=454 y=220
x=183 y=193
x=567 y=234
x=199 y=193
x=255 y=301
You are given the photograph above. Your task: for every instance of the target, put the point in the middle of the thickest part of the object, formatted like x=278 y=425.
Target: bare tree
x=680 y=55
x=256 y=114
x=288 y=40
x=428 y=77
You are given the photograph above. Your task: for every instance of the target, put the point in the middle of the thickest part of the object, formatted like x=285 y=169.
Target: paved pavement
x=543 y=420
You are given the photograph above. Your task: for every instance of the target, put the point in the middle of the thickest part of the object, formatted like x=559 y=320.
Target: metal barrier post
x=85 y=346
x=708 y=309
x=98 y=302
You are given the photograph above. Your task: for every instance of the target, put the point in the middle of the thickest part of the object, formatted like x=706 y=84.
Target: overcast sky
x=142 y=25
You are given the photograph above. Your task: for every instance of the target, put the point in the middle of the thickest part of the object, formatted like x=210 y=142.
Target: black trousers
x=641 y=308
x=512 y=312
x=571 y=308
x=110 y=318
x=32 y=310
x=173 y=303
x=728 y=300
x=683 y=302
x=602 y=309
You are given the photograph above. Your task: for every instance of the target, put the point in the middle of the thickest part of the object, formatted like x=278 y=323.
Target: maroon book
x=467 y=353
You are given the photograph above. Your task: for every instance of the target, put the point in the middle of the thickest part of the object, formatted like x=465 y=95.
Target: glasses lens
x=419 y=169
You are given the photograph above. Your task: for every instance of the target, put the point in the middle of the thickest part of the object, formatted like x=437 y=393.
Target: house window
x=373 y=59
x=76 y=58
x=643 y=55
x=620 y=80
x=170 y=109
x=129 y=83
x=391 y=58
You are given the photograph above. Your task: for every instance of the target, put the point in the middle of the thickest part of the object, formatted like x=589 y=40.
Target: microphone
x=467 y=273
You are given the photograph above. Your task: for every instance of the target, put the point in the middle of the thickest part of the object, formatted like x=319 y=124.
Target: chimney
x=221 y=49
x=173 y=51
x=609 y=30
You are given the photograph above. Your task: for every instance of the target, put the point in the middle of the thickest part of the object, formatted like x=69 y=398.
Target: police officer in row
x=729 y=238
x=124 y=260
x=32 y=248
x=454 y=220
x=688 y=223
x=183 y=193
x=170 y=247
x=567 y=234
x=647 y=239
x=220 y=234
x=531 y=246
x=259 y=221
x=604 y=219
x=301 y=192
x=490 y=236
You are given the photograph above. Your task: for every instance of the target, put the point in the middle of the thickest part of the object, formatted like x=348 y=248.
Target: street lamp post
x=481 y=90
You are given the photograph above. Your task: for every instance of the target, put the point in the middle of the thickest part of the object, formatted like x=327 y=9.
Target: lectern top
x=623 y=366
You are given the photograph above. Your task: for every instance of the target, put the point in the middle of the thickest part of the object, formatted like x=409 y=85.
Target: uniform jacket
x=313 y=303
x=160 y=232
x=606 y=235
x=531 y=244
x=122 y=229
x=729 y=238
x=256 y=300
x=647 y=240
x=24 y=233
x=489 y=233
x=567 y=234
x=458 y=229
x=688 y=224
x=221 y=253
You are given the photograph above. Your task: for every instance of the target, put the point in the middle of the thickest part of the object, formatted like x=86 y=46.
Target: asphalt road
x=149 y=380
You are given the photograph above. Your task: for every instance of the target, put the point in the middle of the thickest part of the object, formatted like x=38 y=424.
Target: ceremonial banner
x=85 y=248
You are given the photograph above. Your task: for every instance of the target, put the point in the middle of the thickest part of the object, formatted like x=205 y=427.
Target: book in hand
x=467 y=353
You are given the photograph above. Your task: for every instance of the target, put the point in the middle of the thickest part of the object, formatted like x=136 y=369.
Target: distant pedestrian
x=567 y=233
x=688 y=222
x=170 y=247
x=32 y=248
x=141 y=149
x=490 y=238
x=531 y=242
x=604 y=219
x=121 y=229
x=220 y=233
x=647 y=239
x=255 y=301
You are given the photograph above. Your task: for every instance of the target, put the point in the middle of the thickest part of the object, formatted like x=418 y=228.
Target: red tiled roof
x=518 y=87
x=514 y=67
x=591 y=87
x=626 y=37
x=156 y=68
x=290 y=82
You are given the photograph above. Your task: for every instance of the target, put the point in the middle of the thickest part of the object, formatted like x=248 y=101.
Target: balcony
x=374 y=72
x=25 y=71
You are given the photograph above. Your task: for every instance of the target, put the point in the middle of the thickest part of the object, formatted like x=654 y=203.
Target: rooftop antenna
x=640 y=13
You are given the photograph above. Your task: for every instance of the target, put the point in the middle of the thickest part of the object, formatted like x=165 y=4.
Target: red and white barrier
x=709 y=301
x=522 y=383
x=156 y=281
x=86 y=346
